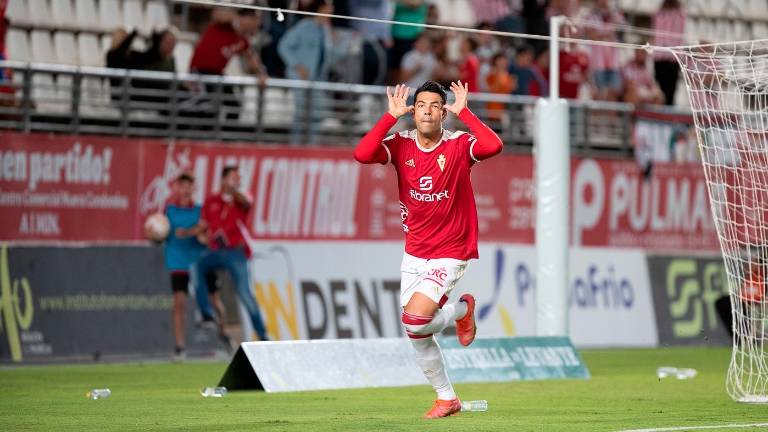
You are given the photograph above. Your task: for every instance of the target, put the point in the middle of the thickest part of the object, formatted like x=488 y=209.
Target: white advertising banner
x=321 y=290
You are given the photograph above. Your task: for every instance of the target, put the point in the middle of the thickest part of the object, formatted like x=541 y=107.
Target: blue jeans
x=235 y=262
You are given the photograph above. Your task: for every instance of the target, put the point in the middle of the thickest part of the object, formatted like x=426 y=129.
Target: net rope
x=727 y=84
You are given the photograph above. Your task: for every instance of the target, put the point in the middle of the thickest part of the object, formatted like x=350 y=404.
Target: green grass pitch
x=623 y=393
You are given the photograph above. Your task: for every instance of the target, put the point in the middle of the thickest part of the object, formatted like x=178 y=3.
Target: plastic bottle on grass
x=98 y=394
x=475 y=405
x=214 y=391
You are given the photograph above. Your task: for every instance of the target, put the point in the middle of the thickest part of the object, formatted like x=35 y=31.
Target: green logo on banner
x=513 y=359
x=692 y=291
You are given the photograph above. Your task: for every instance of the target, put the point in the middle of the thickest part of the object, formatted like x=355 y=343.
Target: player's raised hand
x=398 y=98
x=460 y=92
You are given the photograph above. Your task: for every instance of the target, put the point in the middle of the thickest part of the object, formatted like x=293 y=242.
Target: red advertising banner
x=97 y=189
x=72 y=188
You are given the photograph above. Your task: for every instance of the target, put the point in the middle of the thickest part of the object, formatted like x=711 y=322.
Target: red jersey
x=469 y=72
x=225 y=218
x=437 y=203
x=217 y=45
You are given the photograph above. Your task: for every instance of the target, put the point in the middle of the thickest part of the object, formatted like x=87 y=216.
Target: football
x=156 y=227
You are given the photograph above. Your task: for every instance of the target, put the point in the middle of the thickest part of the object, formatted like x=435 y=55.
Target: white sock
x=430 y=359
x=445 y=317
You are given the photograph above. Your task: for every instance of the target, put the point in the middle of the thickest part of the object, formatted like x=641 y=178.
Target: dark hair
x=670 y=4
x=243 y=12
x=431 y=87
x=485 y=25
x=472 y=43
x=315 y=5
x=497 y=56
x=524 y=49
x=185 y=177
x=228 y=169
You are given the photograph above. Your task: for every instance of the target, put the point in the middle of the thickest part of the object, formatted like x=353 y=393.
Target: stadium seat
x=42 y=47
x=278 y=107
x=759 y=30
x=110 y=14
x=63 y=14
x=90 y=53
x=157 y=15
x=18 y=45
x=235 y=67
x=87 y=15
x=105 y=42
x=66 y=48
x=44 y=93
x=40 y=13
x=740 y=31
x=758 y=9
x=133 y=16
x=248 y=113
x=18 y=12
x=183 y=54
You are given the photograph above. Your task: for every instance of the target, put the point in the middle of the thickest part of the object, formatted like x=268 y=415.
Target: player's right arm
x=371 y=148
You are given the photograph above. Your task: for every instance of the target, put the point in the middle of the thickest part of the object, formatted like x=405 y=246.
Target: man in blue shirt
x=182 y=250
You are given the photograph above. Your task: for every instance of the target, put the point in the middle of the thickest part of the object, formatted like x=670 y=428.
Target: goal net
x=727 y=86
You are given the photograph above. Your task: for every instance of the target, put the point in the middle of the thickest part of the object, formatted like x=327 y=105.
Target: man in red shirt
x=227 y=35
x=223 y=218
x=439 y=216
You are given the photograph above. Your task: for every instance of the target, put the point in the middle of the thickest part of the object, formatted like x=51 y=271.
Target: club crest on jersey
x=441 y=161
x=410 y=163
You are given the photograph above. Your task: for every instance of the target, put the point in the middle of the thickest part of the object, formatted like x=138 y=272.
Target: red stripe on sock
x=416 y=336
x=415 y=319
x=443 y=301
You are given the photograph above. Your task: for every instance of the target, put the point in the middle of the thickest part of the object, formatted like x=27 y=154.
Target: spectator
x=574 y=67
x=524 y=72
x=377 y=36
x=500 y=81
x=120 y=56
x=604 y=60
x=567 y=8
x=540 y=68
x=227 y=35
x=158 y=57
x=418 y=63
x=7 y=90
x=223 y=219
x=304 y=49
x=533 y=13
x=499 y=14
x=447 y=69
x=376 y=9
x=639 y=85
x=403 y=37
x=275 y=30
x=668 y=27
x=182 y=249
x=487 y=47
x=469 y=70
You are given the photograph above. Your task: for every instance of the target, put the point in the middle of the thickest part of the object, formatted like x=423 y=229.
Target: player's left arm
x=486 y=142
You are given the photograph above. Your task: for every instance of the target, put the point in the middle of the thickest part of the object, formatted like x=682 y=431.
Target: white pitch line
x=687 y=428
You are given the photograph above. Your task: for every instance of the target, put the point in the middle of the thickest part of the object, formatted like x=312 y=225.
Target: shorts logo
x=425 y=183
x=437 y=275
x=410 y=163
x=441 y=161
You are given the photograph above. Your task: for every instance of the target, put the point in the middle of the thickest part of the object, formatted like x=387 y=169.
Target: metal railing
x=88 y=100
